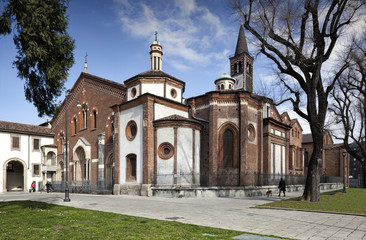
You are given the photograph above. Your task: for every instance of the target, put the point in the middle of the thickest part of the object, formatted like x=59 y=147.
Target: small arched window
x=61 y=143
x=222 y=86
x=74 y=125
x=94 y=119
x=84 y=118
x=235 y=67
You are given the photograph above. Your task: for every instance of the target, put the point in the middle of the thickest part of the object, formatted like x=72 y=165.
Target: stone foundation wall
x=187 y=192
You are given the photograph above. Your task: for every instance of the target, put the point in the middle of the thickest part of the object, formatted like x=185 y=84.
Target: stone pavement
x=229 y=213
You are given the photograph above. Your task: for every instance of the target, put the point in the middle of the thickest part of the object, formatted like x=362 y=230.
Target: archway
x=50 y=168
x=81 y=165
x=15 y=175
x=109 y=172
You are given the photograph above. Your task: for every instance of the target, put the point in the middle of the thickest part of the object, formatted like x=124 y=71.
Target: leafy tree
x=44 y=49
x=299 y=37
x=349 y=105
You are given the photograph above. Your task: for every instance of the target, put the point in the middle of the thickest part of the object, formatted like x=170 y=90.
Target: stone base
x=133 y=189
x=189 y=192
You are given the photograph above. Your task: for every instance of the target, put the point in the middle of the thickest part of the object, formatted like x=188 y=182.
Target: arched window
x=51 y=159
x=249 y=68
x=60 y=143
x=228 y=149
x=228 y=146
x=94 y=119
x=74 y=125
x=84 y=118
x=222 y=86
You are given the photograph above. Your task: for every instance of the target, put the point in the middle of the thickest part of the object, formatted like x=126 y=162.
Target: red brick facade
x=95 y=96
x=334 y=163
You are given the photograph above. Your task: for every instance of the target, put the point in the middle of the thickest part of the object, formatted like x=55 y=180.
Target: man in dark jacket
x=282 y=187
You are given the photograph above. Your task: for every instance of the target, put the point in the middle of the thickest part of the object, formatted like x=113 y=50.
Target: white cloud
x=186 y=6
x=189 y=33
x=179 y=65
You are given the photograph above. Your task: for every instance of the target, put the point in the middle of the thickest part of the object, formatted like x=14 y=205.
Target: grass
x=38 y=220
x=353 y=202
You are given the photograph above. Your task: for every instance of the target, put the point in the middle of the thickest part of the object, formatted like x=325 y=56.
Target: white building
x=26 y=155
x=158 y=141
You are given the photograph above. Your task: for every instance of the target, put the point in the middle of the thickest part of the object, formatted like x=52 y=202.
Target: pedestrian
x=48 y=186
x=33 y=186
x=282 y=187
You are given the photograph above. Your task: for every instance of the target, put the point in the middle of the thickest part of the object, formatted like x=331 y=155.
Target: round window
x=173 y=92
x=166 y=151
x=131 y=130
x=133 y=92
x=251 y=132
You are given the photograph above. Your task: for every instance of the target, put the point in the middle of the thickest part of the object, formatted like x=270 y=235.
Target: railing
x=193 y=180
x=82 y=186
x=232 y=179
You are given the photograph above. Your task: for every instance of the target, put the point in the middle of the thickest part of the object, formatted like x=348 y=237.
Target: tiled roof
x=25 y=128
x=307 y=138
x=176 y=117
x=154 y=74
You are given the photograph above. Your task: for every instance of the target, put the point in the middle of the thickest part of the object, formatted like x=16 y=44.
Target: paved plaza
x=229 y=213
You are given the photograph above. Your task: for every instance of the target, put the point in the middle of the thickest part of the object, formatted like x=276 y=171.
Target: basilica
x=143 y=135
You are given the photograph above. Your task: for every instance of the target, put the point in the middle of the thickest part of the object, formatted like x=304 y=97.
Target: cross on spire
x=156 y=36
x=86 y=57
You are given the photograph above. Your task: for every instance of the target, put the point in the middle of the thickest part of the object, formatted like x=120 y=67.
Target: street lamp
x=344 y=172
x=67 y=199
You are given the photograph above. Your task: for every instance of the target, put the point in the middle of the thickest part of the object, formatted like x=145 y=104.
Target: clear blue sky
x=197 y=37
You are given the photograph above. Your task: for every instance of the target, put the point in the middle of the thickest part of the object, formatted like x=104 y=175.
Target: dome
x=225 y=77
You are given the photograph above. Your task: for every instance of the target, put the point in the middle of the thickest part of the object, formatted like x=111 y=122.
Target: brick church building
x=143 y=134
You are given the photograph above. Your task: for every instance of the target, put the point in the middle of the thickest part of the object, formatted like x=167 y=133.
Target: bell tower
x=241 y=64
x=156 y=53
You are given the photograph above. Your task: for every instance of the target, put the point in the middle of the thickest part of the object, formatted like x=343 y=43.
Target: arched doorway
x=109 y=172
x=15 y=175
x=81 y=165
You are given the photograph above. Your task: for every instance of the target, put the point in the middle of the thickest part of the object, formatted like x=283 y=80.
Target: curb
x=313 y=211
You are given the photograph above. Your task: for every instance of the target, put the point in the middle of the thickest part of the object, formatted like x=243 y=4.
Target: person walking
x=48 y=186
x=33 y=186
x=282 y=187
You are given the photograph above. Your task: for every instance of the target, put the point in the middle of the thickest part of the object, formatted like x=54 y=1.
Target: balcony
x=49 y=168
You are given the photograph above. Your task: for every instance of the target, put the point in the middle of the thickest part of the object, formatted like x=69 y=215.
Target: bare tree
x=349 y=106
x=300 y=37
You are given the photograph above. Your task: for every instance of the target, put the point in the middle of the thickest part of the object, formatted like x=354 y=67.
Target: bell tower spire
x=156 y=53
x=241 y=64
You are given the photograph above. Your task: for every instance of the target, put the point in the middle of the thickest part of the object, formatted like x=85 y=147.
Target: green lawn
x=353 y=201
x=37 y=220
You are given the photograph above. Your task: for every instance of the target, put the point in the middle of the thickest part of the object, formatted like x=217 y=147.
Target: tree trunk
x=364 y=174
x=312 y=185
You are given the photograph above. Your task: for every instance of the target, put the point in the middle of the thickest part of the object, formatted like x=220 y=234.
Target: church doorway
x=82 y=166
x=109 y=172
x=14 y=175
